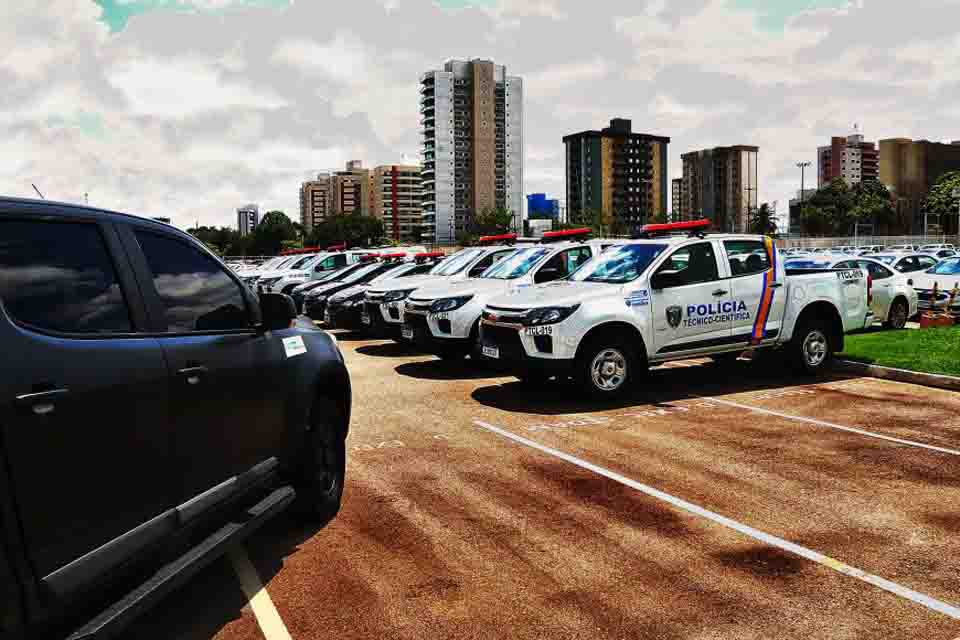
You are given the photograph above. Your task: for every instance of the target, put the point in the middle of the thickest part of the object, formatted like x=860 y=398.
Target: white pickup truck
x=670 y=298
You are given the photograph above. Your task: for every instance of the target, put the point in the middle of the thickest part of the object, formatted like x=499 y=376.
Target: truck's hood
x=471 y=287
x=553 y=294
x=412 y=282
x=926 y=280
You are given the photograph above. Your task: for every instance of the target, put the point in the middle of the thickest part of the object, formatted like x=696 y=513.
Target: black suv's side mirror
x=664 y=280
x=277 y=311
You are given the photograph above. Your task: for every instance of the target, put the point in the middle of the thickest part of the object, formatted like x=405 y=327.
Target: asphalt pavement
x=715 y=502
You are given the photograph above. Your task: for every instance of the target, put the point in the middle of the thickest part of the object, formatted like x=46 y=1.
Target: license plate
x=407 y=332
x=440 y=316
x=365 y=318
x=538 y=331
x=490 y=352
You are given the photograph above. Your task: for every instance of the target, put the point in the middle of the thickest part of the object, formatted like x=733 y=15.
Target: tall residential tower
x=472 y=153
x=720 y=184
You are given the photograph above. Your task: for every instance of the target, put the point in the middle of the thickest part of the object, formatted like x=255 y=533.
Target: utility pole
x=802 y=166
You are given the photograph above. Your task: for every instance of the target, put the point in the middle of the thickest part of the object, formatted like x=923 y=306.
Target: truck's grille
x=504 y=338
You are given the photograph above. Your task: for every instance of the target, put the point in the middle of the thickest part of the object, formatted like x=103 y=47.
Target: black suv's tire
x=606 y=367
x=897 y=316
x=320 y=478
x=812 y=347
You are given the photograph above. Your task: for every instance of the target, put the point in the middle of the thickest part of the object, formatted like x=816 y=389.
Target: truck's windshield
x=456 y=263
x=516 y=264
x=619 y=264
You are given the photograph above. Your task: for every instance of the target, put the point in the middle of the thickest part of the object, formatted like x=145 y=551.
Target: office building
x=617 y=173
x=540 y=207
x=341 y=192
x=676 y=200
x=397 y=201
x=248 y=217
x=909 y=168
x=315 y=201
x=472 y=153
x=849 y=158
x=720 y=184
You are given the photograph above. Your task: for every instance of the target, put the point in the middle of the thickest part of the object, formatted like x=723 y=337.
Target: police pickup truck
x=154 y=412
x=668 y=298
x=383 y=303
x=444 y=318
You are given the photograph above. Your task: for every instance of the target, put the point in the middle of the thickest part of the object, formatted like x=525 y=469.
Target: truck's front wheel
x=605 y=367
x=323 y=468
x=812 y=347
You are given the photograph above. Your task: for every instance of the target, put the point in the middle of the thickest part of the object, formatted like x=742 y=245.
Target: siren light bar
x=506 y=238
x=551 y=236
x=338 y=247
x=693 y=226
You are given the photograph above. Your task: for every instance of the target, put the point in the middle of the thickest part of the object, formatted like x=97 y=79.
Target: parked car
x=444 y=319
x=868 y=249
x=154 y=412
x=907 y=262
x=946 y=275
x=893 y=299
x=315 y=301
x=383 y=303
x=900 y=248
x=668 y=298
x=933 y=248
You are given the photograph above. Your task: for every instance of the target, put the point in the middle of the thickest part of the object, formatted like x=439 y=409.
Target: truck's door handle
x=193 y=374
x=720 y=292
x=776 y=285
x=42 y=402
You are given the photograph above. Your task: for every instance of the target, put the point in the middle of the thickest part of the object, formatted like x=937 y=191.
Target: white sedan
x=894 y=299
x=907 y=262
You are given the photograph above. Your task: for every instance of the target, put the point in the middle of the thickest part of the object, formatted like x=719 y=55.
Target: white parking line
x=271 y=625
x=831 y=425
x=756 y=534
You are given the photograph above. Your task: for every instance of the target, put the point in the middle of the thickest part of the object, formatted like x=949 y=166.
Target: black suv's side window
x=197 y=295
x=59 y=276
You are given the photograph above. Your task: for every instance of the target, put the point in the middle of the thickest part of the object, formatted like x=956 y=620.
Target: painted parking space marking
x=766 y=538
x=831 y=425
x=271 y=625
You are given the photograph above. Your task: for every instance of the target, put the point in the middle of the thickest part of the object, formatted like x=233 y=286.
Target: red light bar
x=432 y=254
x=567 y=233
x=367 y=257
x=338 y=247
x=389 y=256
x=690 y=225
x=504 y=237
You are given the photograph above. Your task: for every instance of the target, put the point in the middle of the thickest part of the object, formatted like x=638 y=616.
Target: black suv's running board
x=109 y=623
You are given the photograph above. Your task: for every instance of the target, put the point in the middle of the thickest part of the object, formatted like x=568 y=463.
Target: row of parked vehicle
x=940 y=250
x=600 y=311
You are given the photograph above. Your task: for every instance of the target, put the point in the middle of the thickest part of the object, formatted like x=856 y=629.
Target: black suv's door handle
x=42 y=402
x=193 y=374
x=720 y=292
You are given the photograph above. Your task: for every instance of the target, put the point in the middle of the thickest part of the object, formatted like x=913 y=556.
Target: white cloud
x=557 y=78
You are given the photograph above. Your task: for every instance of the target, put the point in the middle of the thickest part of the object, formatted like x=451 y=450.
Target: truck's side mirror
x=277 y=311
x=664 y=280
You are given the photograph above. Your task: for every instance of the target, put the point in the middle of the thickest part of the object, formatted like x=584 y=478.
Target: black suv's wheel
x=320 y=479
x=606 y=367
x=897 y=316
x=812 y=347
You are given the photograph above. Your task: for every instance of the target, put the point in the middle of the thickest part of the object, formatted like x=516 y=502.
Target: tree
x=493 y=221
x=827 y=212
x=762 y=220
x=871 y=203
x=940 y=199
x=270 y=234
x=354 y=230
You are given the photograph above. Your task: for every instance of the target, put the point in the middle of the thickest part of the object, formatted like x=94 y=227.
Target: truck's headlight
x=449 y=304
x=397 y=296
x=549 y=315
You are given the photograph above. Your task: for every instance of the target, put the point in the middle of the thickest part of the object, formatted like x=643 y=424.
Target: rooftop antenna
x=37 y=190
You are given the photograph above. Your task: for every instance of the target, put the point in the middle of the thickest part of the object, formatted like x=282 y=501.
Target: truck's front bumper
x=504 y=344
x=417 y=329
x=344 y=316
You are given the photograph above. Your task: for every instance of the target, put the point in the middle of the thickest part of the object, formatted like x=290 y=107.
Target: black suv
x=153 y=412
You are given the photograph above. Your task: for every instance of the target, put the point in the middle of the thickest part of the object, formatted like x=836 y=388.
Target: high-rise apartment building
x=341 y=192
x=315 y=201
x=909 y=168
x=248 y=217
x=472 y=154
x=618 y=173
x=676 y=200
x=849 y=158
x=397 y=201
x=720 y=184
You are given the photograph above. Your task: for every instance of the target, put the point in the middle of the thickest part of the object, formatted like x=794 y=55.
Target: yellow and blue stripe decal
x=766 y=298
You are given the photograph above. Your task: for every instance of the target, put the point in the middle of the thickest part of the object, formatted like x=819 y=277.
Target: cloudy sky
x=189 y=108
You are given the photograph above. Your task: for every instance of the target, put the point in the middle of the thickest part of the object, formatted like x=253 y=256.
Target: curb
x=901 y=375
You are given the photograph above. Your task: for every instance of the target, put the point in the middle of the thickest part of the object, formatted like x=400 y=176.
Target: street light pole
x=803 y=166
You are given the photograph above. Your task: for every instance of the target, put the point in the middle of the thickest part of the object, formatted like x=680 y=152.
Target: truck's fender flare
x=822 y=307
x=617 y=325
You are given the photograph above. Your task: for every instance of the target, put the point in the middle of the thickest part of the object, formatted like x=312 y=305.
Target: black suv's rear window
x=58 y=276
